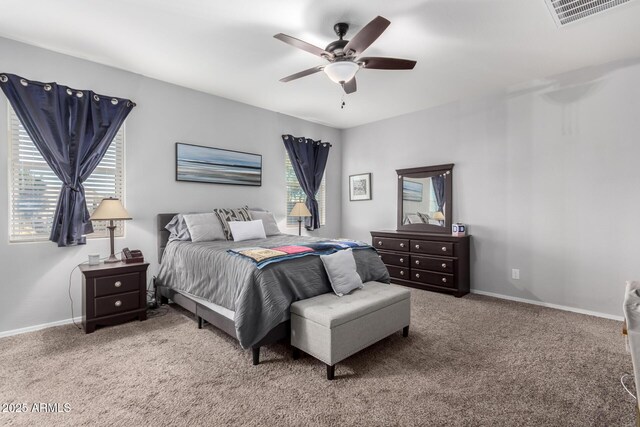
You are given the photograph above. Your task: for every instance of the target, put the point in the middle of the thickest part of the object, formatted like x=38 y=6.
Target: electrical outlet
x=515 y=273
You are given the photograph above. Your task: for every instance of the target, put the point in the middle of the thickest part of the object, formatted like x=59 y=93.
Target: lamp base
x=112 y=258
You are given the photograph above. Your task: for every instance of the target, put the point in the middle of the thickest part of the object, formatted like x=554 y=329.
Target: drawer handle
x=380 y=256
x=117 y=284
x=444 y=249
x=402 y=260
x=417 y=275
x=402 y=245
x=417 y=262
x=402 y=272
x=379 y=242
x=444 y=280
x=417 y=246
x=118 y=303
x=444 y=265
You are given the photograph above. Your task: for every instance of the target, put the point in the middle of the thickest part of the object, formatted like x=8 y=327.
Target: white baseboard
x=546 y=304
x=473 y=291
x=39 y=327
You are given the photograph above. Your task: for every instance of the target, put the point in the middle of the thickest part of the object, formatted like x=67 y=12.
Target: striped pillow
x=423 y=217
x=225 y=215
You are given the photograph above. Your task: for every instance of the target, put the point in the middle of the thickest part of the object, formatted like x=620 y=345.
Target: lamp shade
x=341 y=71
x=438 y=216
x=110 y=209
x=300 y=209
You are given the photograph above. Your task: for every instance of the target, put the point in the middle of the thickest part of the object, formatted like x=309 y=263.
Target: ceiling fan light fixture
x=341 y=71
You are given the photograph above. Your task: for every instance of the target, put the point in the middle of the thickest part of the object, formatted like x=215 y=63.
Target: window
x=295 y=193
x=34 y=188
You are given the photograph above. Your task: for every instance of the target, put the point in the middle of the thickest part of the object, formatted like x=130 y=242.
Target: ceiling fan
x=342 y=54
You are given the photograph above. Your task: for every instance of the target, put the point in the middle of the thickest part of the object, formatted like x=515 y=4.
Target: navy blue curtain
x=309 y=160
x=72 y=129
x=438 y=183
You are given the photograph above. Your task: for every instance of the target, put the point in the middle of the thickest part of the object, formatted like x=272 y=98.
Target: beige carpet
x=475 y=361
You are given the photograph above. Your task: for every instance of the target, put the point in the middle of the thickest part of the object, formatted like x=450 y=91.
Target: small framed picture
x=360 y=187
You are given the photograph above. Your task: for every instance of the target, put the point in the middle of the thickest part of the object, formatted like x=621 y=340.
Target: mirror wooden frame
x=424 y=172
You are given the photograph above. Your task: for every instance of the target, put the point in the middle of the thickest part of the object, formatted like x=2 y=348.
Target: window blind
x=295 y=193
x=34 y=188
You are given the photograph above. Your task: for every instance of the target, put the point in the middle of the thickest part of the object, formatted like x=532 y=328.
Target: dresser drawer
x=117 y=284
x=430 y=263
x=391 y=244
x=113 y=304
x=432 y=248
x=398 y=272
x=431 y=278
x=395 y=259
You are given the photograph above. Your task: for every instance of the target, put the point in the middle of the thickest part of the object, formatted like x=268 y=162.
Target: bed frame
x=202 y=312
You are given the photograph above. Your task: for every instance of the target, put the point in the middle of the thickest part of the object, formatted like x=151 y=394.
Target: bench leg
x=255 y=351
x=405 y=331
x=295 y=353
x=331 y=370
x=200 y=322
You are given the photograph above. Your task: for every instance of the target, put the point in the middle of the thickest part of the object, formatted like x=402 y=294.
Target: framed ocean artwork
x=411 y=191
x=196 y=163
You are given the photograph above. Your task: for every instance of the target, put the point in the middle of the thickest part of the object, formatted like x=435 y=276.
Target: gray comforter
x=259 y=298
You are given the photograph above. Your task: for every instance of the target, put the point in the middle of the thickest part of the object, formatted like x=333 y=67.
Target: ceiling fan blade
x=303 y=45
x=301 y=74
x=376 y=63
x=366 y=36
x=350 y=86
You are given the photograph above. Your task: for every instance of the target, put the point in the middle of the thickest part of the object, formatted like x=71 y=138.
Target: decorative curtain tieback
x=72 y=187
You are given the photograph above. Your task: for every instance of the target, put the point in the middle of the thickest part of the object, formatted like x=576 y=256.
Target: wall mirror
x=425 y=198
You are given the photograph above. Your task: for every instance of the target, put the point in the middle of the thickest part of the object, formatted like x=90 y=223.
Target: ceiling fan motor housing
x=337 y=47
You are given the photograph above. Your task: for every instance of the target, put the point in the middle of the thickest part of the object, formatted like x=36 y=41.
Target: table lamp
x=110 y=210
x=300 y=210
x=438 y=216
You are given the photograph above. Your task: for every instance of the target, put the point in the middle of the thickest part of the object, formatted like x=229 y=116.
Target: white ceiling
x=463 y=47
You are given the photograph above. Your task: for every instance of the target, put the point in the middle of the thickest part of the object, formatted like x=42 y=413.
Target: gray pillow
x=341 y=269
x=178 y=228
x=204 y=227
x=268 y=221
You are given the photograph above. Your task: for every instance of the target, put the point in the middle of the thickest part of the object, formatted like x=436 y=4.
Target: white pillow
x=204 y=227
x=268 y=221
x=341 y=269
x=247 y=230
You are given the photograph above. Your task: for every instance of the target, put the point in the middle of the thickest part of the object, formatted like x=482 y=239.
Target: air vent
x=567 y=11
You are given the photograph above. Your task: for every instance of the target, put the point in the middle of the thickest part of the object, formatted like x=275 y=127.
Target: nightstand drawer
x=105 y=306
x=444 y=265
x=394 y=259
x=116 y=284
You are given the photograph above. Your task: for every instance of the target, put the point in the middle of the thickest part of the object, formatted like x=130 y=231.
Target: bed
x=231 y=293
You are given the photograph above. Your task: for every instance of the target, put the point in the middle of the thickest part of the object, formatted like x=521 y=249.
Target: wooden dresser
x=435 y=262
x=113 y=293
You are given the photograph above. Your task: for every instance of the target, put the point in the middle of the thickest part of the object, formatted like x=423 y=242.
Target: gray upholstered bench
x=332 y=328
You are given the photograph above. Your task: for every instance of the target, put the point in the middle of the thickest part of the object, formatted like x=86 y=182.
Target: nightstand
x=113 y=293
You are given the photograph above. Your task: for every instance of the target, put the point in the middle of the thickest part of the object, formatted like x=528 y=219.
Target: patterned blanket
x=262 y=256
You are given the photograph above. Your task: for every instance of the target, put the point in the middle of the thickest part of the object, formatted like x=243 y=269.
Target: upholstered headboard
x=163 y=234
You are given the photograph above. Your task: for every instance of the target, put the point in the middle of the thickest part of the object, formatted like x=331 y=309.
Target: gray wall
x=546 y=176
x=35 y=276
